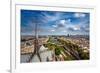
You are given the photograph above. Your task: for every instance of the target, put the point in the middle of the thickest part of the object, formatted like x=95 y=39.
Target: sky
x=54 y=23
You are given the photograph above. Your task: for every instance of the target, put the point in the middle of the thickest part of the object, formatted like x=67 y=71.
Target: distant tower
x=68 y=35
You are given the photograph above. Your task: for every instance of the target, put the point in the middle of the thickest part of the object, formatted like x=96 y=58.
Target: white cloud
x=69 y=20
x=54 y=26
x=47 y=17
x=77 y=28
x=78 y=15
x=64 y=31
x=52 y=30
x=62 y=22
x=74 y=28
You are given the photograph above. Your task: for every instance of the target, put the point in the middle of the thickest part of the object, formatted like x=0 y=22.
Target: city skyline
x=54 y=23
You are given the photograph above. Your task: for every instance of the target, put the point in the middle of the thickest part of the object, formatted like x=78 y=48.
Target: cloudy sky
x=54 y=23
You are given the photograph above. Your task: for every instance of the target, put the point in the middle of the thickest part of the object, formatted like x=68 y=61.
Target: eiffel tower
x=36 y=45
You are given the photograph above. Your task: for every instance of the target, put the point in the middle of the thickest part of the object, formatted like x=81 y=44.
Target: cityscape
x=49 y=36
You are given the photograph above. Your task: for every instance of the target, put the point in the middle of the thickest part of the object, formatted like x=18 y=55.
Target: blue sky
x=54 y=23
